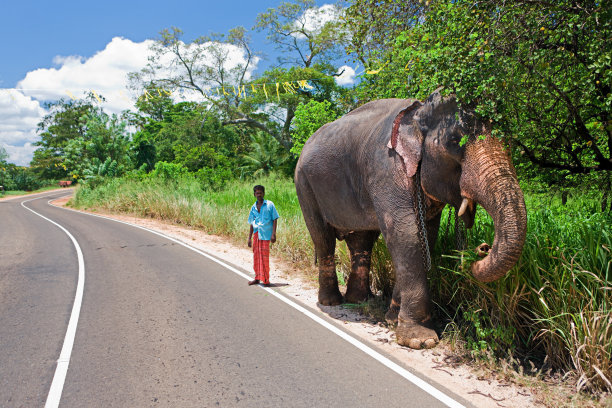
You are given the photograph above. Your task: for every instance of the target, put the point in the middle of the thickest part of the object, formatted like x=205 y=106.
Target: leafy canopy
x=539 y=70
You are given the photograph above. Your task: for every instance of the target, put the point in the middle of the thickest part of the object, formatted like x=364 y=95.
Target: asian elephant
x=357 y=177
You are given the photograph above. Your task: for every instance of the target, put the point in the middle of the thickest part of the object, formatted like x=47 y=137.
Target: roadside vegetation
x=550 y=314
x=539 y=71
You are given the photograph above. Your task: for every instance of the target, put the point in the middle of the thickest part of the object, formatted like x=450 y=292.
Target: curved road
x=163 y=325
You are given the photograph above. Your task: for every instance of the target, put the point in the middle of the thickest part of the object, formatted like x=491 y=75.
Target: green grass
x=552 y=308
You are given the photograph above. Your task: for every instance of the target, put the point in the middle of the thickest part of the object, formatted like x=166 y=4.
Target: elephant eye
x=455 y=138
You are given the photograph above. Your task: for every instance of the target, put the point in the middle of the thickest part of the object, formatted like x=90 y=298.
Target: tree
x=375 y=24
x=3 y=155
x=206 y=66
x=539 y=70
x=309 y=118
x=309 y=39
x=303 y=33
x=185 y=133
x=279 y=106
x=265 y=155
x=66 y=120
x=103 y=150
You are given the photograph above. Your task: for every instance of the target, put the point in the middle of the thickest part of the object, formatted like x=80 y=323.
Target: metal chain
x=460 y=234
x=422 y=228
x=447 y=227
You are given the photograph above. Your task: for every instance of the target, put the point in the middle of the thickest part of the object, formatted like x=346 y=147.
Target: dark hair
x=258 y=187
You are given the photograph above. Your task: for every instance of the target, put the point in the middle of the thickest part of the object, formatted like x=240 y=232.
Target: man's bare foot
x=254 y=282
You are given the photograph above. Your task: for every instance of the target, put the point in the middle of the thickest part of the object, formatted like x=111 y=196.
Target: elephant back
x=366 y=127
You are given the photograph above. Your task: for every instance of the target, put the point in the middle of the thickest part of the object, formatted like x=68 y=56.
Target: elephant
x=361 y=175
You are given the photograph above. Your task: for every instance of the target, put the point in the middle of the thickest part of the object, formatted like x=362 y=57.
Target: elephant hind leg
x=324 y=239
x=325 y=246
x=360 y=246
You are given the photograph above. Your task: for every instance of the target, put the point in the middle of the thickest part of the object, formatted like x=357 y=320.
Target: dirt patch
x=438 y=364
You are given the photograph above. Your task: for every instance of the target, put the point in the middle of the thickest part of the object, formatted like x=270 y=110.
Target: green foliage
x=539 y=70
x=302 y=42
x=96 y=173
x=66 y=121
x=265 y=155
x=280 y=107
x=554 y=303
x=172 y=172
x=374 y=25
x=309 y=118
x=484 y=338
x=16 y=178
x=104 y=141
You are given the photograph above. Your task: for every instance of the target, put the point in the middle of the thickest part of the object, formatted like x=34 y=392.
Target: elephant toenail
x=430 y=343
x=414 y=343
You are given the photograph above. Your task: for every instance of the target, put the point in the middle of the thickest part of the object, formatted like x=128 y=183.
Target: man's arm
x=250 y=242
x=273 y=238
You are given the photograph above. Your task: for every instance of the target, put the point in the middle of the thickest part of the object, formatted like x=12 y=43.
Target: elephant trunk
x=489 y=179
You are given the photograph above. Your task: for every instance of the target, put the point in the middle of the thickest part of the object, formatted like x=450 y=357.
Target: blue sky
x=52 y=48
x=34 y=32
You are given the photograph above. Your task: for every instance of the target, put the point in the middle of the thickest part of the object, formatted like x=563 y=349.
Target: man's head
x=259 y=191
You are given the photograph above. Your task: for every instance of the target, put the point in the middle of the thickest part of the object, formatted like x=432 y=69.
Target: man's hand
x=250 y=243
x=273 y=238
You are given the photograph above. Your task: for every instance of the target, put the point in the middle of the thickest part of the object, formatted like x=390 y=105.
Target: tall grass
x=222 y=212
x=553 y=307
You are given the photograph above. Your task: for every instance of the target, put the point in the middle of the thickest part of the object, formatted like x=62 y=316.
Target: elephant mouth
x=467 y=211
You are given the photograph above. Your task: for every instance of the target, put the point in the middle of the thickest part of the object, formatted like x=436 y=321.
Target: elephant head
x=463 y=165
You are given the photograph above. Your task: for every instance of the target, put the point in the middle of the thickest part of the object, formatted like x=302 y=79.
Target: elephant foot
x=330 y=297
x=356 y=295
x=392 y=313
x=415 y=336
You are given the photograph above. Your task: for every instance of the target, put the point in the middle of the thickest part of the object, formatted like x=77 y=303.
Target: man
x=262 y=231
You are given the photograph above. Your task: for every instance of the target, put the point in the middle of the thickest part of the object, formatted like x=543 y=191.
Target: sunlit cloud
x=346 y=76
x=314 y=19
x=105 y=74
x=20 y=116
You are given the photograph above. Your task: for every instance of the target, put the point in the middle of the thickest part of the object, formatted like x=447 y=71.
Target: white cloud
x=347 y=76
x=20 y=155
x=19 y=115
x=314 y=19
x=105 y=73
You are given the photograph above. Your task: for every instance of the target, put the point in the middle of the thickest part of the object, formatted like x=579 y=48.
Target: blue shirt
x=263 y=220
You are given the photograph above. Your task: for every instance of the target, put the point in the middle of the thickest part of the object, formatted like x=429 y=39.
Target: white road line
x=57 y=385
x=423 y=385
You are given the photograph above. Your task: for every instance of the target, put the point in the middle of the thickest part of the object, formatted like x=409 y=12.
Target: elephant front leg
x=414 y=322
x=410 y=305
x=329 y=294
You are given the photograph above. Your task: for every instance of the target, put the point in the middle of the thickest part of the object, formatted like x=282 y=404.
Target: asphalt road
x=162 y=325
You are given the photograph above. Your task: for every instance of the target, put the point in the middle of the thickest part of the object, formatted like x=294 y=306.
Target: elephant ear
x=407 y=139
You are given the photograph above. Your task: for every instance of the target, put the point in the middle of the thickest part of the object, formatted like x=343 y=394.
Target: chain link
x=460 y=233
x=422 y=228
x=460 y=230
x=447 y=227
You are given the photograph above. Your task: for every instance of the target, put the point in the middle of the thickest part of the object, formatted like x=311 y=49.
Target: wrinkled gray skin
x=356 y=178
